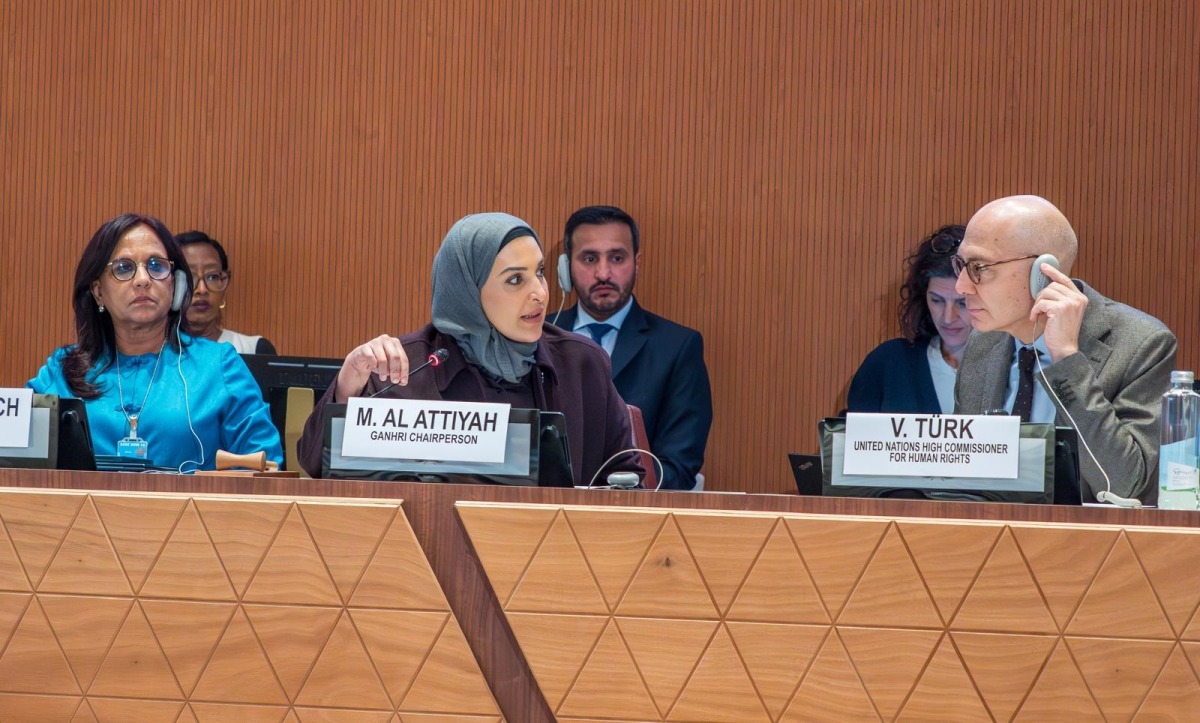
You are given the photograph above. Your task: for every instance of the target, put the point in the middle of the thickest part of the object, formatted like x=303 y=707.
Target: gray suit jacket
x=1111 y=388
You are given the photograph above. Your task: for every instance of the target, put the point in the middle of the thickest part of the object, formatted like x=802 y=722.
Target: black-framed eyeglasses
x=975 y=269
x=216 y=281
x=125 y=269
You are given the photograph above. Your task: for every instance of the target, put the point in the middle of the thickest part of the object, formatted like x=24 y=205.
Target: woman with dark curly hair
x=915 y=373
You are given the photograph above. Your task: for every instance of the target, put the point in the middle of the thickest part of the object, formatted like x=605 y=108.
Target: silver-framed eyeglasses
x=125 y=269
x=216 y=281
x=975 y=269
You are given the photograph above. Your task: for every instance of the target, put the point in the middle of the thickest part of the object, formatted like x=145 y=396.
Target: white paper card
x=15 y=405
x=425 y=430
x=932 y=445
x=1182 y=476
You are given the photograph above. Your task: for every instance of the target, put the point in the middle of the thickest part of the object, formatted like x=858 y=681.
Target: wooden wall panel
x=168 y=607
x=674 y=615
x=780 y=156
x=432 y=513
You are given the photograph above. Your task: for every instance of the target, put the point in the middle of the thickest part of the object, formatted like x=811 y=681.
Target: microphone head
x=438 y=356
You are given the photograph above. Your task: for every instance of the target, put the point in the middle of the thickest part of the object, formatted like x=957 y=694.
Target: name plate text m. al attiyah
x=425 y=430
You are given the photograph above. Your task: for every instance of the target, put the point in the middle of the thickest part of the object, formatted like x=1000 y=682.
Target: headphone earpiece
x=564 y=274
x=1038 y=280
x=182 y=289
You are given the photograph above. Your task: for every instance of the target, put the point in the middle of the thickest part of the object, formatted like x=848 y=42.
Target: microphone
x=435 y=360
x=619 y=480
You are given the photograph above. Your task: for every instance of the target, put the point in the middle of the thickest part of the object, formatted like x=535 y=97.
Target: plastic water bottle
x=1179 y=455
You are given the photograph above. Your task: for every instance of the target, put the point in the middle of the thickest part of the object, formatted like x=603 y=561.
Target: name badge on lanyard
x=133 y=446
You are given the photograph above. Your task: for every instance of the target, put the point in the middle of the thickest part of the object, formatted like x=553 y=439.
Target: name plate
x=932 y=445
x=15 y=414
x=425 y=430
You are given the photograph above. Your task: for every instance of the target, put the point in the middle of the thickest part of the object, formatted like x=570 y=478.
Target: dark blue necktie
x=599 y=331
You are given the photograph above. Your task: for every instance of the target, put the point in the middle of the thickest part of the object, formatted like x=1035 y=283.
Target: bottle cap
x=1178 y=377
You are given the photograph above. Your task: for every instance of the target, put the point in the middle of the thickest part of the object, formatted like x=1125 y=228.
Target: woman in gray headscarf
x=489 y=309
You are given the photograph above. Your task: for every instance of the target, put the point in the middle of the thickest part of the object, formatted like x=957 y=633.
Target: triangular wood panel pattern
x=12 y=575
x=777 y=657
x=669 y=571
x=224 y=609
x=36 y=524
x=242 y=530
x=720 y=688
x=944 y=685
x=1003 y=666
x=85 y=627
x=615 y=551
x=1005 y=597
x=138 y=529
x=556 y=647
x=86 y=558
x=919 y=619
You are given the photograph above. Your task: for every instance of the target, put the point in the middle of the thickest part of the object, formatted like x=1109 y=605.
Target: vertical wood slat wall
x=781 y=157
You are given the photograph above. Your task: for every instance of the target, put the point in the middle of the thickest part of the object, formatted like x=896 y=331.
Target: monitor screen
x=276 y=374
x=536 y=454
x=1040 y=453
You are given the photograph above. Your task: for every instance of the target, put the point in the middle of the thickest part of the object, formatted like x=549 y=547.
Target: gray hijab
x=460 y=270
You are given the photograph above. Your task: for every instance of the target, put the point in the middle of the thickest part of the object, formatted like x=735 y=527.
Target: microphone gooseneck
x=435 y=360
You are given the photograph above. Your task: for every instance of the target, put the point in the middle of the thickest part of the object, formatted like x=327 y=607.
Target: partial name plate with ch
x=425 y=430
x=16 y=405
x=932 y=445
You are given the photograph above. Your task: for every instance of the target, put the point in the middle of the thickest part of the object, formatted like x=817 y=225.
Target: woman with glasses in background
x=153 y=392
x=916 y=373
x=210 y=280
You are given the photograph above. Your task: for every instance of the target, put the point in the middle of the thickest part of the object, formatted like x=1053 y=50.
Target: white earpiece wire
x=1107 y=495
x=187 y=405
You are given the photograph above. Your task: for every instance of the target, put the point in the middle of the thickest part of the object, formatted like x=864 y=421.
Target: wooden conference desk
x=144 y=597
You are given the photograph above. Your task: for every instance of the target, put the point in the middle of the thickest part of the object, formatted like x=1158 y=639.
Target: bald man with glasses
x=1066 y=353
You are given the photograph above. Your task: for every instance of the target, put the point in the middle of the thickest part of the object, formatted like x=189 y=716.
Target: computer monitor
x=1048 y=472
x=276 y=374
x=536 y=454
x=75 y=449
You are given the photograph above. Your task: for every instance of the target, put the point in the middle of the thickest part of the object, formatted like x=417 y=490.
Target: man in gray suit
x=1065 y=354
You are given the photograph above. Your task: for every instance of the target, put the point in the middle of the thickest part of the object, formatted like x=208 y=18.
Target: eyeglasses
x=125 y=269
x=975 y=269
x=216 y=281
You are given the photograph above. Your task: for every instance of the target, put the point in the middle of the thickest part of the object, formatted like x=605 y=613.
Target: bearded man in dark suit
x=657 y=365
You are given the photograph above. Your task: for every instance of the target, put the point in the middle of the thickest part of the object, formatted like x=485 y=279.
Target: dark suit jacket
x=658 y=366
x=894 y=378
x=1112 y=389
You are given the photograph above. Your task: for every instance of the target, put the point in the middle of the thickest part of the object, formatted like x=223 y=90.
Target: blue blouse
x=204 y=396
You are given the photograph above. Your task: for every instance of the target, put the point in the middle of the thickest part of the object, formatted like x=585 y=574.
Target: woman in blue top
x=153 y=393
x=915 y=374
